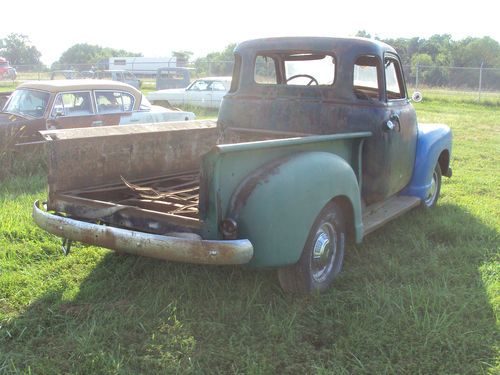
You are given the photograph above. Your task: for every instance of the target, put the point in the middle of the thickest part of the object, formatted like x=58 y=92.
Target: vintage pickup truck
x=316 y=144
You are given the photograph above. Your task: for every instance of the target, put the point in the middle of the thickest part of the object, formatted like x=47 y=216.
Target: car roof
x=214 y=78
x=58 y=85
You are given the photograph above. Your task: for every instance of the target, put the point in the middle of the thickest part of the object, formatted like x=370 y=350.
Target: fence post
x=480 y=81
x=416 y=77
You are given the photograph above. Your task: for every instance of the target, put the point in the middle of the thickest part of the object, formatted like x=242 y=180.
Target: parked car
x=316 y=145
x=172 y=78
x=41 y=105
x=204 y=92
x=4 y=96
x=119 y=75
x=7 y=71
x=65 y=74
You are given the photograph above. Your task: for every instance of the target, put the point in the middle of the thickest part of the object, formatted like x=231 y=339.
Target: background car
x=7 y=71
x=64 y=74
x=172 y=78
x=58 y=104
x=204 y=92
x=121 y=76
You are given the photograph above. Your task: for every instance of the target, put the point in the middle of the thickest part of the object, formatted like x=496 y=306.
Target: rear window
x=113 y=101
x=297 y=69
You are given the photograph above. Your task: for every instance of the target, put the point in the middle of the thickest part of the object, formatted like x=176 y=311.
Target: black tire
x=322 y=256
x=433 y=192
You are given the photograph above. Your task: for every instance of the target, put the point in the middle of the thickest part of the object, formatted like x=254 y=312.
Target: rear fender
x=275 y=207
x=433 y=146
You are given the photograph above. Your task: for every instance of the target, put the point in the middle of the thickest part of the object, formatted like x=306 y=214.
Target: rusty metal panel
x=92 y=157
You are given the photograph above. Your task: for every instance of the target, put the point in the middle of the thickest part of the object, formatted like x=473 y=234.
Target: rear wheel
x=435 y=188
x=322 y=256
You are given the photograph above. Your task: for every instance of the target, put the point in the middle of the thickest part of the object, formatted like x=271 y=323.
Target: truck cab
x=329 y=86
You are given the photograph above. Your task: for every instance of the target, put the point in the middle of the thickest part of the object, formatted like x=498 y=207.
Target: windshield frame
x=22 y=91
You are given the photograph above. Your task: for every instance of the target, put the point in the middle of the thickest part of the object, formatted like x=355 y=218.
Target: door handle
x=395 y=118
x=97 y=123
x=393 y=123
x=389 y=125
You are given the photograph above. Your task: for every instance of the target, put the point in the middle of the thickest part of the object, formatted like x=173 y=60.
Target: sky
x=156 y=28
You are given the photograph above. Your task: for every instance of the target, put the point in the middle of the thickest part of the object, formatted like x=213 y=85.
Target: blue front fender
x=433 y=143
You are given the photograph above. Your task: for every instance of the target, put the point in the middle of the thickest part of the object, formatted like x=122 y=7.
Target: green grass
x=419 y=296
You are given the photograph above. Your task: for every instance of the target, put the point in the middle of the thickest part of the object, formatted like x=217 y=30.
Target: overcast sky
x=155 y=28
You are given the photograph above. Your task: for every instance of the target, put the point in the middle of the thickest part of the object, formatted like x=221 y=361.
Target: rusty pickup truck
x=316 y=145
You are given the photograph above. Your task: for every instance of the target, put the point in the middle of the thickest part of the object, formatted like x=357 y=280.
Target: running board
x=378 y=214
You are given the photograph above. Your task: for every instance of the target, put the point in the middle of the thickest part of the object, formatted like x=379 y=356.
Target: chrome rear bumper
x=172 y=248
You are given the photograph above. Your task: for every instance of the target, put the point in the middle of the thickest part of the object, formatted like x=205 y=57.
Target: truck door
x=400 y=125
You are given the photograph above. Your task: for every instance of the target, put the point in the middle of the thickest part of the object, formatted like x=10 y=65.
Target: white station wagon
x=204 y=92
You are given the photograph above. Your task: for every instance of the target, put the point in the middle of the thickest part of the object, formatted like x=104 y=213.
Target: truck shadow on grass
x=414 y=298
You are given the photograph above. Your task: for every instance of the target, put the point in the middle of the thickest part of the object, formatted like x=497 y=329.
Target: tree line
x=434 y=56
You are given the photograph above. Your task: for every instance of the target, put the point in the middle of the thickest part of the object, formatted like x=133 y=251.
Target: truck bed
x=144 y=177
x=176 y=194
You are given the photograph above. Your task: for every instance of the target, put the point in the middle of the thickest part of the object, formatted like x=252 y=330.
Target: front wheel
x=435 y=188
x=322 y=256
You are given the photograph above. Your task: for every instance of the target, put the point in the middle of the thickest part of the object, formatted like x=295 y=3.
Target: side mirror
x=416 y=97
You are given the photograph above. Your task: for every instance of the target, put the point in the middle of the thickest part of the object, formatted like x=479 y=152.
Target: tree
x=479 y=50
x=363 y=34
x=17 y=48
x=217 y=63
x=86 y=55
x=182 y=57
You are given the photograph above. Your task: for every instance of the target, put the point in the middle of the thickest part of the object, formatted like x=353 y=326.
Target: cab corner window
x=236 y=73
x=265 y=70
x=365 y=78
x=394 y=84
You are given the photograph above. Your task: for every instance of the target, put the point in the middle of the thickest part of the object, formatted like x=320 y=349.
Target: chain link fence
x=479 y=83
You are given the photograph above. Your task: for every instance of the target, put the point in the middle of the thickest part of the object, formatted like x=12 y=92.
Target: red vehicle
x=7 y=71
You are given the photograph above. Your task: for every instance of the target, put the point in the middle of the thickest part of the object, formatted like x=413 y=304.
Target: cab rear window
x=297 y=69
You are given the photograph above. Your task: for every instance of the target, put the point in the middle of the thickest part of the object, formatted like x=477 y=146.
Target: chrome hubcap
x=324 y=252
x=431 y=193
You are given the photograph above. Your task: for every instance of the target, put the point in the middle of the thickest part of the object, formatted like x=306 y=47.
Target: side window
x=72 y=104
x=199 y=85
x=113 y=102
x=394 y=85
x=365 y=78
x=218 y=86
x=265 y=70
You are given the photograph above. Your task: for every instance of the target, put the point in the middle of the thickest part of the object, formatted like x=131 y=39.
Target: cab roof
x=327 y=44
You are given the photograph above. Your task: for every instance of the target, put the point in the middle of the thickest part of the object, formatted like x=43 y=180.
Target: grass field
x=420 y=296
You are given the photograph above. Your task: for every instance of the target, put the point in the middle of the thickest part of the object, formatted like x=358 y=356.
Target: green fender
x=276 y=206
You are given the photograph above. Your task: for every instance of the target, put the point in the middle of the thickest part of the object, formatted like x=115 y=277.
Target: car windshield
x=26 y=102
